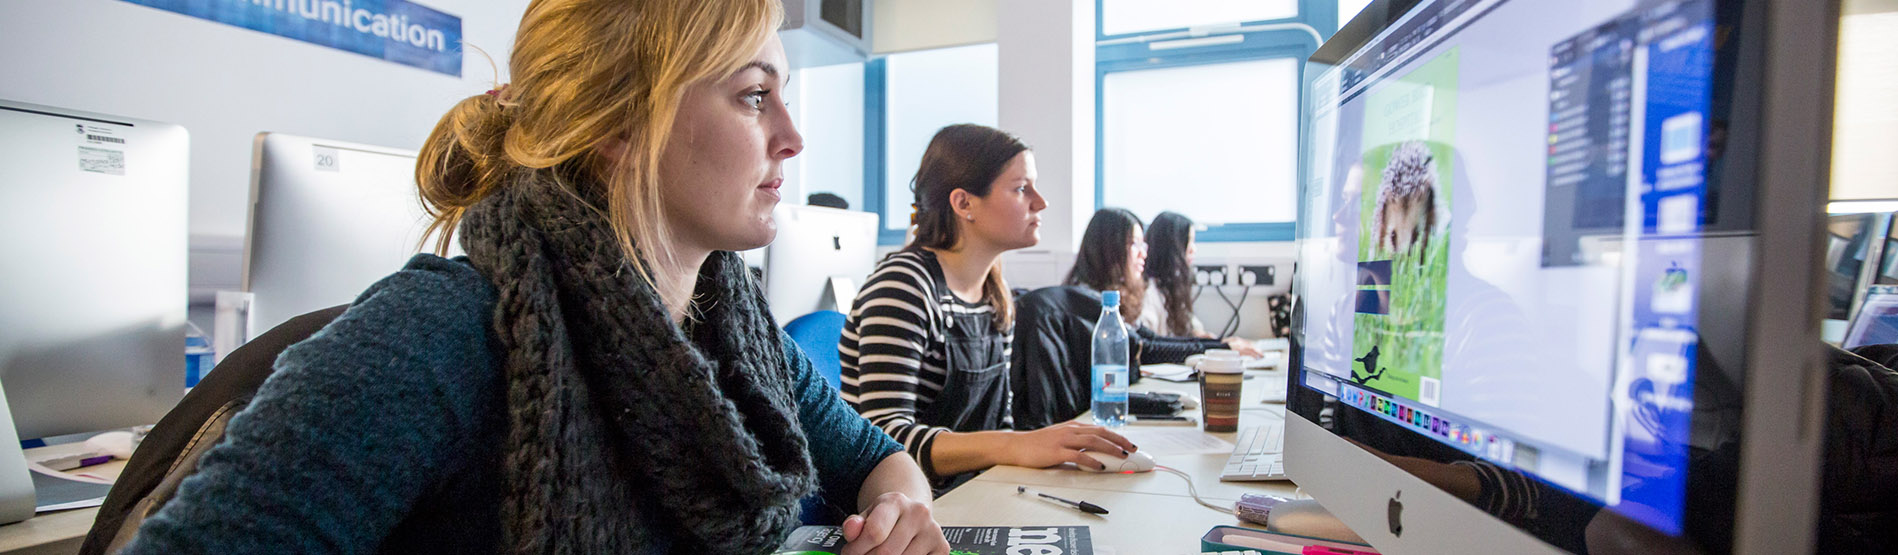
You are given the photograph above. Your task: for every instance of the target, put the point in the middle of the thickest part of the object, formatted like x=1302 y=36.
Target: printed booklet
x=963 y=540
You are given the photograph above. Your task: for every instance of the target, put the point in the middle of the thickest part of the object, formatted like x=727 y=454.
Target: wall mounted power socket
x=1261 y=275
x=1210 y=274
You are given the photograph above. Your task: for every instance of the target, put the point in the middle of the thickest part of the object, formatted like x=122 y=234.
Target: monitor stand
x=16 y=482
x=840 y=292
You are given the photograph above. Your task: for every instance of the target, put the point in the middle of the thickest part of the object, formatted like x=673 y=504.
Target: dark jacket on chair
x=170 y=452
x=1050 y=369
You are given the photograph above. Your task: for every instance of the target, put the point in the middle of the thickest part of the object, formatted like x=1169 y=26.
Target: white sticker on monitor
x=1429 y=390
x=328 y=159
x=99 y=136
x=101 y=160
x=101 y=148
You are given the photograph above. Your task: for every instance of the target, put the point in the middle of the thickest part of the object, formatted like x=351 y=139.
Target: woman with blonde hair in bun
x=599 y=374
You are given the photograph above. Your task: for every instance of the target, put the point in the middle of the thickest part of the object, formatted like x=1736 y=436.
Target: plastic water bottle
x=1110 y=364
x=198 y=354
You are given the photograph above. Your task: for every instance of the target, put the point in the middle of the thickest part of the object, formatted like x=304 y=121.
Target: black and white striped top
x=894 y=347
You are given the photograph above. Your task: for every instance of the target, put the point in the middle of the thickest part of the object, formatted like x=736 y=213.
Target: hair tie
x=496 y=92
x=914 y=211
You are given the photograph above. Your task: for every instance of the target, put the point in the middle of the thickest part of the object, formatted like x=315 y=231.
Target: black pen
x=1082 y=506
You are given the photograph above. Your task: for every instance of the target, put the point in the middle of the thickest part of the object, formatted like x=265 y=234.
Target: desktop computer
x=818 y=259
x=327 y=220
x=92 y=312
x=92 y=332
x=1554 y=269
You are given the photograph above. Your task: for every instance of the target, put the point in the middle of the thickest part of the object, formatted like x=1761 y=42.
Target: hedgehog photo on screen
x=1406 y=214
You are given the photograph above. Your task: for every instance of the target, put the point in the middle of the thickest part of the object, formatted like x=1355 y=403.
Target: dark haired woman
x=925 y=350
x=1168 y=307
x=1113 y=257
x=1051 y=362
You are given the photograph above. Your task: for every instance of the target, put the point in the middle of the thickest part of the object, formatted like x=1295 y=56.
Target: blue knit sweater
x=384 y=432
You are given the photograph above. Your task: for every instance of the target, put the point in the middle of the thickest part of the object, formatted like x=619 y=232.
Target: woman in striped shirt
x=925 y=350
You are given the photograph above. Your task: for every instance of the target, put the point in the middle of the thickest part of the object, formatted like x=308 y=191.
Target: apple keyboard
x=1257 y=456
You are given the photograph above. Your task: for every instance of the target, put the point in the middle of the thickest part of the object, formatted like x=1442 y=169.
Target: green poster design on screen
x=1404 y=228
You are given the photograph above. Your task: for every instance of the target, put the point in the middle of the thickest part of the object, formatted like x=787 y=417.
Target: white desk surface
x=59 y=531
x=1149 y=513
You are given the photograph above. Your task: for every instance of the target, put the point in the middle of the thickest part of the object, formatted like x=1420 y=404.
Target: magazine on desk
x=963 y=540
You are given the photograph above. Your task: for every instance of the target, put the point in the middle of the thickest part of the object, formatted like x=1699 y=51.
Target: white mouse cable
x=1193 y=490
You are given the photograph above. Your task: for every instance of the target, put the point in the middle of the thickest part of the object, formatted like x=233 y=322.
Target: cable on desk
x=1194 y=490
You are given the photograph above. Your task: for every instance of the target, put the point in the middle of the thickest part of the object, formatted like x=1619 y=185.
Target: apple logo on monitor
x=1397 y=515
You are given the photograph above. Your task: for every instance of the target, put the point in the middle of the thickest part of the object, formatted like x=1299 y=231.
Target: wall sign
x=394 y=30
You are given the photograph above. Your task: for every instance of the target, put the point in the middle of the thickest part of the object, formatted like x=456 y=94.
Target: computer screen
x=92 y=307
x=819 y=258
x=1525 y=251
x=327 y=219
x=1876 y=322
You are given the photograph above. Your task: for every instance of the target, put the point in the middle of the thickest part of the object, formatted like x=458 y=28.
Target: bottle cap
x=1110 y=298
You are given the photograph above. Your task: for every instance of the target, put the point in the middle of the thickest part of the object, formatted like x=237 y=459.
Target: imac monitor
x=327 y=220
x=92 y=312
x=819 y=258
x=1551 y=257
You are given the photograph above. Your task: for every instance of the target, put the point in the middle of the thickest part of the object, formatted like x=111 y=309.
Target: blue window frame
x=1295 y=37
x=875 y=157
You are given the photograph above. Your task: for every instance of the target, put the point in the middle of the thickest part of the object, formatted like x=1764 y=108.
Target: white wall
x=1865 y=124
x=225 y=84
x=1046 y=83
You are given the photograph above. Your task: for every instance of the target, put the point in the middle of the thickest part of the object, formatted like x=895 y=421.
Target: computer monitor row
x=1553 y=247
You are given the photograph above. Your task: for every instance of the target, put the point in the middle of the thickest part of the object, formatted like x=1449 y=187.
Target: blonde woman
x=598 y=375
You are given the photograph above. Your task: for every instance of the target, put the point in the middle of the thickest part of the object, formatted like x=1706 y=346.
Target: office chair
x=170 y=452
x=818 y=333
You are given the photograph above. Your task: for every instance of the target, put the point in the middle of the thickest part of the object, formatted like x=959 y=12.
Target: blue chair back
x=818 y=334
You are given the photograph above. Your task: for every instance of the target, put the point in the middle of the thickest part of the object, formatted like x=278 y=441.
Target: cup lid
x=1221 y=365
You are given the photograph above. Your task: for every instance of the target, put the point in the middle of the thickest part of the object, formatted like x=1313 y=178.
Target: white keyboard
x=1257 y=456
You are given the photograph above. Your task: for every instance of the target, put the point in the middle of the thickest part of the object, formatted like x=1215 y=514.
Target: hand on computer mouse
x=1134 y=462
x=1063 y=443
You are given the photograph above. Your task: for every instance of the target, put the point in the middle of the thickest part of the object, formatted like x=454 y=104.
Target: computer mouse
x=1138 y=461
x=1188 y=402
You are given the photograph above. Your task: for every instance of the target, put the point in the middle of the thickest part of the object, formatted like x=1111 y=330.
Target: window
x=828 y=109
x=1226 y=132
x=923 y=92
x=1348 y=9
x=1197 y=109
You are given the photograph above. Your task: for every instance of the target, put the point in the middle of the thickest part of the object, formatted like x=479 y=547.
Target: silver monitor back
x=327 y=220
x=92 y=294
x=817 y=250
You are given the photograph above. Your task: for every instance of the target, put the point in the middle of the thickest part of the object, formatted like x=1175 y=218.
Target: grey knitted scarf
x=623 y=432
